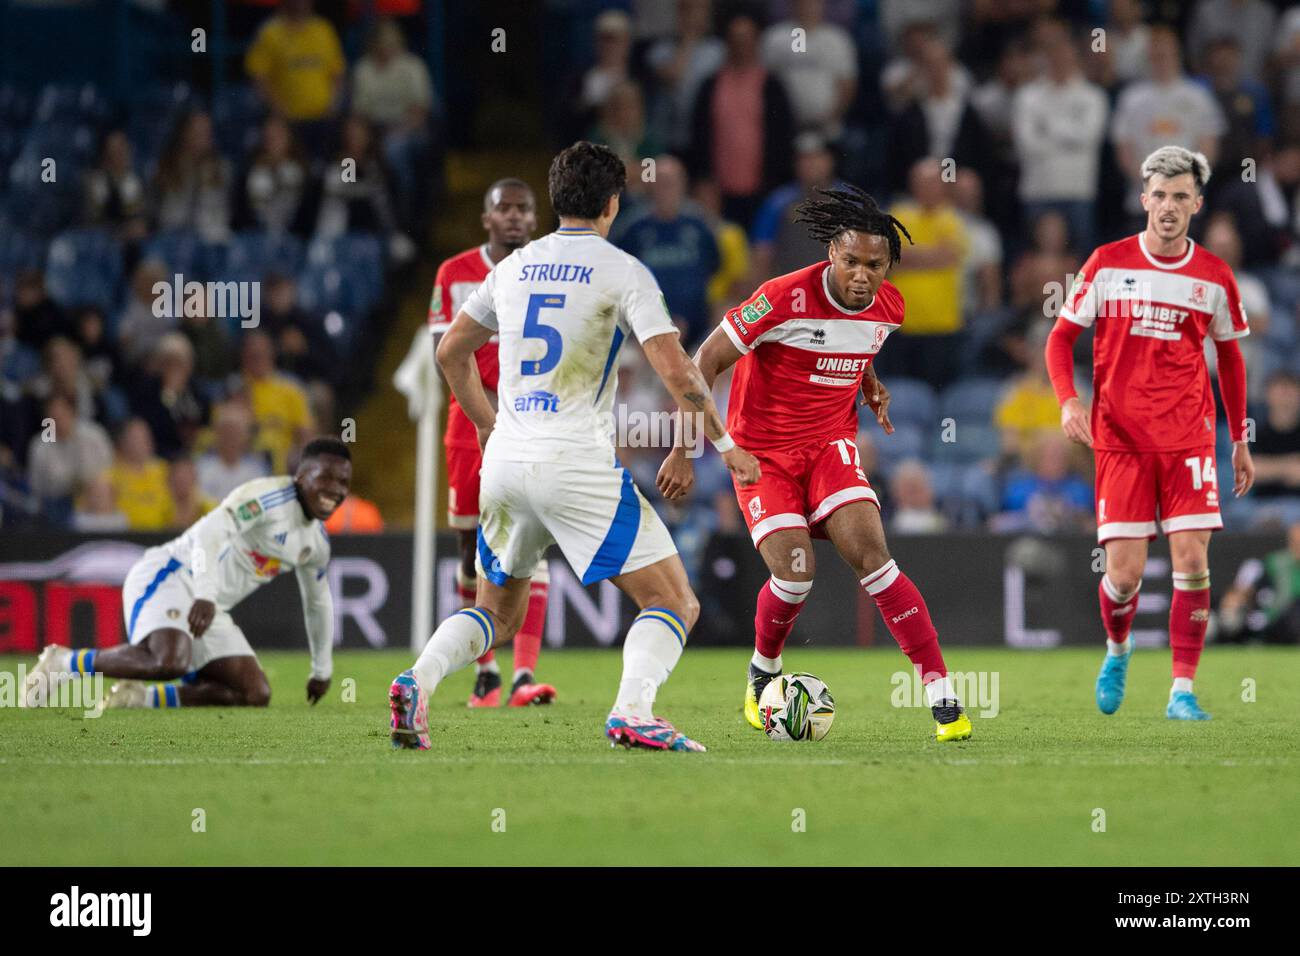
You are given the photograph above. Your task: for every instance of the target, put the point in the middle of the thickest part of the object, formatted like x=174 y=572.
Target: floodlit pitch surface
x=1048 y=780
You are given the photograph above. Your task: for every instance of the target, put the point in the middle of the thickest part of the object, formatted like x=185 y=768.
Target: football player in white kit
x=563 y=306
x=177 y=598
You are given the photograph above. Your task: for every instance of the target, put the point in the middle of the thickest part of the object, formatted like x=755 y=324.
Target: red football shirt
x=457 y=277
x=803 y=359
x=1151 y=387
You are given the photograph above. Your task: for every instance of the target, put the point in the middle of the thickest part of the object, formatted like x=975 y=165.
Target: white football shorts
x=601 y=522
x=156 y=594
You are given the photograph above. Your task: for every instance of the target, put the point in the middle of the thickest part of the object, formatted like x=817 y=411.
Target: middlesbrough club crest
x=755 y=508
x=1199 y=293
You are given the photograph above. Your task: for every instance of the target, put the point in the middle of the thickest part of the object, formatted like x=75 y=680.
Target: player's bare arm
x=456 y=359
x=694 y=397
x=1232 y=386
x=677 y=474
x=876 y=397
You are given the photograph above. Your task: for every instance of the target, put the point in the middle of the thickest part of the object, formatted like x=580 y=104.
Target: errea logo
x=76 y=909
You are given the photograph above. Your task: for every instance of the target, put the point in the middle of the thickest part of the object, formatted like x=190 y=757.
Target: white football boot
x=128 y=693
x=51 y=670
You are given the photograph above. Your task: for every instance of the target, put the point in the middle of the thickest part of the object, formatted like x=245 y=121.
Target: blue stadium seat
x=84 y=267
x=180 y=249
x=80 y=102
x=18 y=250
x=971 y=400
x=973 y=442
x=912 y=402
x=908 y=441
x=251 y=256
x=345 y=273
x=15 y=106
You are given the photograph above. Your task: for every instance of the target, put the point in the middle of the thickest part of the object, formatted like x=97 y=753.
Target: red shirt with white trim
x=1151 y=386
x=803 y=359
x=457 y=277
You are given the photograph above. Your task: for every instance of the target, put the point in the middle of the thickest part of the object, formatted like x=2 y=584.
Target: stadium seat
x=345 y=273
x=912 y=402
x=180 y=249
x=971 y=399
x=84 y=267
x=15 y=107
x=908 y=441
x=80 y=102
x=19 y=251
x=972 y=442
x=251 y=256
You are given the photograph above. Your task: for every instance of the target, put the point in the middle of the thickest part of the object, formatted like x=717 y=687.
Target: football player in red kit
x=803 y=347
x=1153 y=299
x=510 y=218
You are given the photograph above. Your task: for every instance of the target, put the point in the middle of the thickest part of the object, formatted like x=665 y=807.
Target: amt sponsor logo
x=538 y=401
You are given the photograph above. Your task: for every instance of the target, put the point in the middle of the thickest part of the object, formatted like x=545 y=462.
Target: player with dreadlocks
x=803 y=345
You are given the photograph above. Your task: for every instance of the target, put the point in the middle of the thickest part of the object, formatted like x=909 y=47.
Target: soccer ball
x=796 y=707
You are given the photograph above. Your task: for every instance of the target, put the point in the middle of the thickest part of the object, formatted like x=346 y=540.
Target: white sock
x=1118 y=648
x=770 y=665
x=491 y=667
x=938 y=690
x=653 y=646
x=462 y=638
x=520 y=673
x=1181 y=684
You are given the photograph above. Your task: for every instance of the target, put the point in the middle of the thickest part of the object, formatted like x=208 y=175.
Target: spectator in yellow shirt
x=930 y=280
x=139 y=479
x=297 y=63
x=1029 y=408
x=278 y=403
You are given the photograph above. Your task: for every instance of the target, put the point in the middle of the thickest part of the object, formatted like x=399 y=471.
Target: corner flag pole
x=423 y=585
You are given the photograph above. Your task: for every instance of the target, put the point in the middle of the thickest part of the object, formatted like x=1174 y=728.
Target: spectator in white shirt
x=80 y=450
x=818 y=63
x=982 y=267
x=1059 y=125
x=1127 y=40
x=230 y=463
x=1167 y=110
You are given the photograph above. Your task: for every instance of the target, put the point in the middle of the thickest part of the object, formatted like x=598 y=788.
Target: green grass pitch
x=293 y=784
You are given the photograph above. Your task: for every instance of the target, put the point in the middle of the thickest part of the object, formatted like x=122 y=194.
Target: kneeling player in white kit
x=563 y=306
x=177 y=598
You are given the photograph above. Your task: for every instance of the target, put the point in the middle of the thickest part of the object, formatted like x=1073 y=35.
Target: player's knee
x=1125 y=576
x=170 y=651
x=873 y=558
x=1189 y=557
x=681 y=602
x=257 y=693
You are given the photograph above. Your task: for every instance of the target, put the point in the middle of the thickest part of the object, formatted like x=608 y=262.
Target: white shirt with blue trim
x=563 y=306
x=258 y=532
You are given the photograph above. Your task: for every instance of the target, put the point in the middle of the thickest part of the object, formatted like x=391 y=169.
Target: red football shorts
x=1135 y=490
x=463 y=465
x=802 y=486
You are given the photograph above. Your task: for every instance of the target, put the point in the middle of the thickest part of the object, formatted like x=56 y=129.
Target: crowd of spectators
x=1007 y=138
x=123 y=408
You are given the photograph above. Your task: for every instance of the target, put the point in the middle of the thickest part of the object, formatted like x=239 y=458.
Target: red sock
x=908 y=619
x=779 y=604
x=528 y=642
x=1116 y=615
x=1189 y=615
